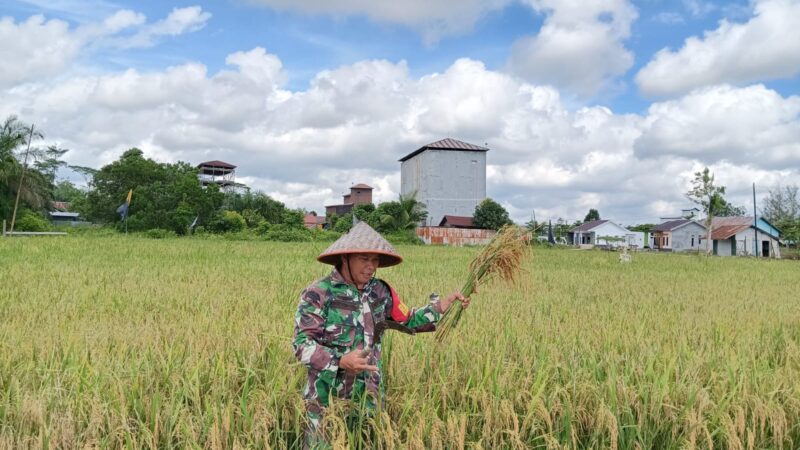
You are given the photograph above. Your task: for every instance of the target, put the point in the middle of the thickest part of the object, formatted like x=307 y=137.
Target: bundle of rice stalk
x=502 y=258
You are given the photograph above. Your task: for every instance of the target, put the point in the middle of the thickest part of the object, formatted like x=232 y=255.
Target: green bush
x=227 y=222
x=160 y=233
x=30 y=221
x=263 y=227
x=324 y=235
x=285 y=233
x=406 y=237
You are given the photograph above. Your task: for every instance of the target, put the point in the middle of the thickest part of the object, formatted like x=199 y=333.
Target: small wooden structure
x=220 y=173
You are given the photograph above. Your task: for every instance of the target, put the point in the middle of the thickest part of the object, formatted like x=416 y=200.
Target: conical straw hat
x=361 y=239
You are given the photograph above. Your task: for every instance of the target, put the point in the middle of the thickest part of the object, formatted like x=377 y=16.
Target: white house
x=678 y=235
x=600 y=232
x=742 y=236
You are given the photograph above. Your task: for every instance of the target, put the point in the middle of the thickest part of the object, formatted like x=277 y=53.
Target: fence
x=455 y=236
x=31 y=233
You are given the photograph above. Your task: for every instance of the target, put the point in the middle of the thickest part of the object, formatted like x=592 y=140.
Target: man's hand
x=447 y=302
x=356 y=362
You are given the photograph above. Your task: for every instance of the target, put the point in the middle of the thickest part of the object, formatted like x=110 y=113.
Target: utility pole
x=755 y=219
x=21 y=179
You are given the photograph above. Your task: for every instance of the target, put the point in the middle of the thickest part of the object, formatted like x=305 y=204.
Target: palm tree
x=409 y=214
x=33 y=187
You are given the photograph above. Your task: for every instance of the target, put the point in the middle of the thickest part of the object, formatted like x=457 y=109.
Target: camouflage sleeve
x=425 y=318
x=309 y=326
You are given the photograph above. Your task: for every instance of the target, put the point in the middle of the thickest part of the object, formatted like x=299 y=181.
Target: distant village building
x=312 y=220
x=604 y=232
x=64 y=218
x=678 y=235
x=360 y=194
x=742 y=236
x=457 y=222
x=448 y=176
x=220 y=173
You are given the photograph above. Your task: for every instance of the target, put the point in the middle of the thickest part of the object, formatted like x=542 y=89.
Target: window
x=692 y=240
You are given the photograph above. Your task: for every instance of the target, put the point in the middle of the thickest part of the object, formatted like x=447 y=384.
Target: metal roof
x=726 y=231
x=673 y=225
x=588 y=225
x=63 y=214
x=446 y=144
x=361 y=186
x=216 y=163
x=457 y=221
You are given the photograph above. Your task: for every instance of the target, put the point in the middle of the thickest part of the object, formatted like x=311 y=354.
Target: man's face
x=362 y=267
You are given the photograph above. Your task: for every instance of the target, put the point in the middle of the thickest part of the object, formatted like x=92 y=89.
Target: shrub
x=30 y=221
x=406 y=237
x=286 y=233
x=227 y=222
x=160 y=233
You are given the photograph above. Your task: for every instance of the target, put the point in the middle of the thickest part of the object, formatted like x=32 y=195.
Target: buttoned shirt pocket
x=341 y=322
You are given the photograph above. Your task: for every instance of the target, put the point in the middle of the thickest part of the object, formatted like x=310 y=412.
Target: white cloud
x=38 y=48
x=751 y=126
x=433 y=19
x=353 y=123
x=698 y=8
x=179 y=21
x=579 y=47
x=35 y=48
x=766 y=47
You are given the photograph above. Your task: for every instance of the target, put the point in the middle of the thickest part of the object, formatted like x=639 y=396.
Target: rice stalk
x=502 y=258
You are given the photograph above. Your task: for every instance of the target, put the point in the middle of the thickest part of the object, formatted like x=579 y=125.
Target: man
x=335 y=323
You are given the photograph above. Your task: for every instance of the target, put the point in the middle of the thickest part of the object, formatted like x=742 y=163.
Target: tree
x=490 y=215
x=782 y=208
x=721 y=208
x=405 y=214
x=703 y=193
x=166 y=196
x=17 y=179
x=593 y=214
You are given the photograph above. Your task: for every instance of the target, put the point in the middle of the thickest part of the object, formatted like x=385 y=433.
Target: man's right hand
x=356 y=362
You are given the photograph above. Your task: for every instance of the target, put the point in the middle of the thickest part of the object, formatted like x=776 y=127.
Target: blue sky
x=582 y=100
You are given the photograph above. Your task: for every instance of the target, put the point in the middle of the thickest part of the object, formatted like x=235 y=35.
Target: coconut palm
x=32 y=185
x=407 y=215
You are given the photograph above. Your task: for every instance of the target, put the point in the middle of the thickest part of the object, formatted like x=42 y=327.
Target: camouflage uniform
x=332 y=320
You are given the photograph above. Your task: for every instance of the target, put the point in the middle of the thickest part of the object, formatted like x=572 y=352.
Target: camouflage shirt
x=333 y=319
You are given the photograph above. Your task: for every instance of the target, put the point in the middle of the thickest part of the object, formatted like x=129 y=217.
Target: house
x=678 y=235
x=599 y=232
x=64 y=218
x=744 y=236
x=448 y=176
x=360 y=194
x=457 y=222
x=312 y=220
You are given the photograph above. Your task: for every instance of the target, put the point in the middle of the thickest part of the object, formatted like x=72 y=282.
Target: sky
x=605 y=104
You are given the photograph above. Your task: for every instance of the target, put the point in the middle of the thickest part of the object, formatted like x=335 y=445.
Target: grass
x=115 y=342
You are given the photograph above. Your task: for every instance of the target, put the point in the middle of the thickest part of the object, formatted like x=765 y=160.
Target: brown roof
x=446 y=144
x=314 y=219
x=217 y=163
x=588 y=225
x=726 y=231
x=361 y=186
x=457 y=222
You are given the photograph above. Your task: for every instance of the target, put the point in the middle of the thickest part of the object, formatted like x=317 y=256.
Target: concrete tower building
x=449 y=177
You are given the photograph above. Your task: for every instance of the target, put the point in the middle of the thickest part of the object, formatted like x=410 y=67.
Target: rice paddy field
x=127 y=342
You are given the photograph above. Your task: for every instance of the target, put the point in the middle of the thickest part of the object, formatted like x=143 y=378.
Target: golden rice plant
x=502 y=258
